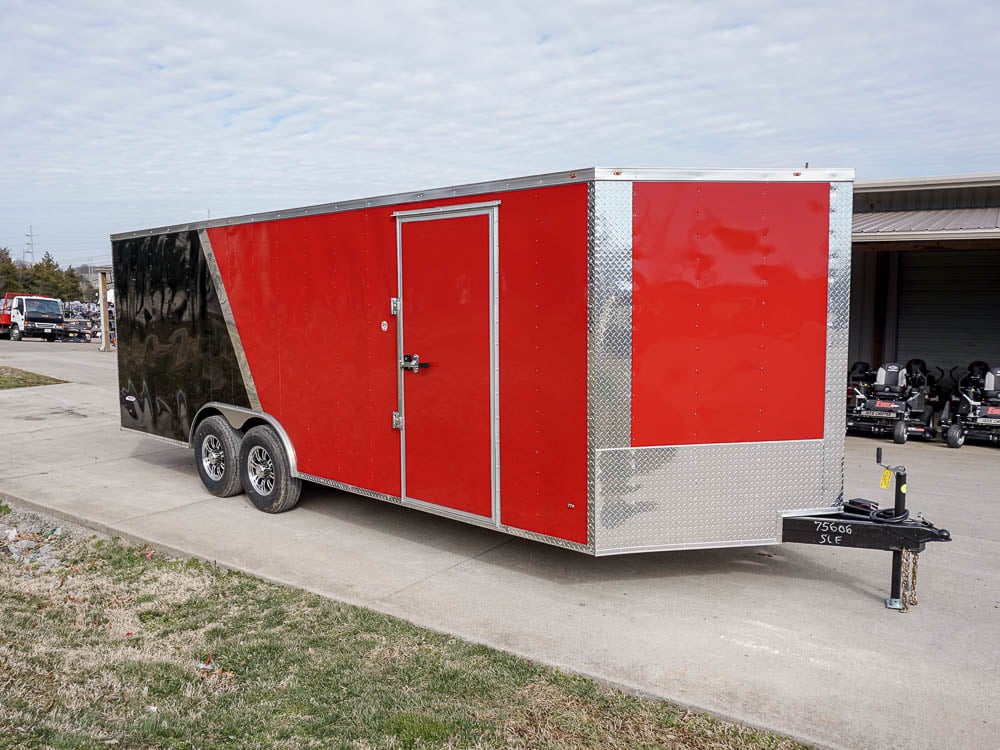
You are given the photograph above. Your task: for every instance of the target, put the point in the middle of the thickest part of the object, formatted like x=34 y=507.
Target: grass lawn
x=106 y=644
x=11 y=377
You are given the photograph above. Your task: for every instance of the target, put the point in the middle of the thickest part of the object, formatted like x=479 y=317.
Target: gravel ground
x=35 y=541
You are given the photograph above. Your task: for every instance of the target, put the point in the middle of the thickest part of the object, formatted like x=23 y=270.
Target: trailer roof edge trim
x=589 y=174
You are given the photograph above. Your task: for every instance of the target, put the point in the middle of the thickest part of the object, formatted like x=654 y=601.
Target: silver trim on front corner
x=521 y=183
x=609 y=309
x=837 y=339
x=491 y=211
x=227 y=314
x=237 y=416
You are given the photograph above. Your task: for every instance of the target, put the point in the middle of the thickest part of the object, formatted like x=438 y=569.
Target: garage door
x=949 y=307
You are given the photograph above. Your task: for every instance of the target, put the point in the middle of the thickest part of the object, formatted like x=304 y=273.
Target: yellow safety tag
x=886 y=478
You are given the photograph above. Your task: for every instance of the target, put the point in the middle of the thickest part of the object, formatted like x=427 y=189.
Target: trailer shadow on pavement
x=567 y=567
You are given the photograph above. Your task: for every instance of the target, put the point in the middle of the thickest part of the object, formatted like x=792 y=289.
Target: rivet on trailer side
x=596 y=359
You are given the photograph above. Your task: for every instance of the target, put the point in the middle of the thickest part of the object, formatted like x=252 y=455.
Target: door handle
x=412 y=362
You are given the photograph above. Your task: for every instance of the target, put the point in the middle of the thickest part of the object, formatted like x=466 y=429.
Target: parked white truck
x=30 y=315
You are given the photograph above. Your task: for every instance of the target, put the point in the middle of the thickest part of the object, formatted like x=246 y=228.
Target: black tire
x=266 y=473
x=217 y=456
x=899 y=432
x=15 y=333
x=955 y=437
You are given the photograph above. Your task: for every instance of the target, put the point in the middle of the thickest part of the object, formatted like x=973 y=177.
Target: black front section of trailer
x=175 y=353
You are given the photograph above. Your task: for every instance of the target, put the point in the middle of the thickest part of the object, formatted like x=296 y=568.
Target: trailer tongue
x=861 y=523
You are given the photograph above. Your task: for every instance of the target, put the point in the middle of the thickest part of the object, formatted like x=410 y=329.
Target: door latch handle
x=412 y=362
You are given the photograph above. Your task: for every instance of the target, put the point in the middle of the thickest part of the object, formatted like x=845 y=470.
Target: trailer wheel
x=266 y=473
x=15 y=333
x=899 y=432
x=217 y=455
x=955 y=436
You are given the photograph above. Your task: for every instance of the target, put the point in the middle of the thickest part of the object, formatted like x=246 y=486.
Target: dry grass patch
x=117 y=646
x=11 y=377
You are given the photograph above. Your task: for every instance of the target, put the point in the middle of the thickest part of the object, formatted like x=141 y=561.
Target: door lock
x=412 y=362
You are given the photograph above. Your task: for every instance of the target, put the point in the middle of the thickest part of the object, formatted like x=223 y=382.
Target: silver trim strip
x=546 y=539
x=694 y=545
x=837 y=339
x=227 y=313
x=438 y=212
x=157 y=438
x=372 y=494
x=495 y=354
x=829 y=509
x=239 y=416
x=442 y=510
x=520 y=183
x=685 y=446
x=723 y=175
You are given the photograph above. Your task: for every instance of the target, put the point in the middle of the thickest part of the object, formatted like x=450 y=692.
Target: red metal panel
x=309 y=295
x=543 y=361
x=446 y=321
x=729 y=312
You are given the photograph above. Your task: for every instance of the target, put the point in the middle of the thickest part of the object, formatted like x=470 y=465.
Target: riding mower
x=889 y=404
x=973 y=409
x=920 y=378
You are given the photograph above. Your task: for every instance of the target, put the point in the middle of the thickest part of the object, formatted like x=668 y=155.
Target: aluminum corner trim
x=227 y=313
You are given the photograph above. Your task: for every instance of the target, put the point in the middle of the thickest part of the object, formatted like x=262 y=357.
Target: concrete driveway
x=792 y=638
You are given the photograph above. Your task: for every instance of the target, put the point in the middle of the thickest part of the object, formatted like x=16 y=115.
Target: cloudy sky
x=123 y=114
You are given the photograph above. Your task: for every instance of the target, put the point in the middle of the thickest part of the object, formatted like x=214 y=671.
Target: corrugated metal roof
x=985 y=179
x=951 y=223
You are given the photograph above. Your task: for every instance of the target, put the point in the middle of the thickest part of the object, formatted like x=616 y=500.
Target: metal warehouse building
x=926 y=271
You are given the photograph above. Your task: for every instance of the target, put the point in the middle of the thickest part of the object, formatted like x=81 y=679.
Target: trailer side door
x=448 y=359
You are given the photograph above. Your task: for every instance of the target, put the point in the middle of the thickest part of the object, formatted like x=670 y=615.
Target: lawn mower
x=973 y=409
x=890 y=404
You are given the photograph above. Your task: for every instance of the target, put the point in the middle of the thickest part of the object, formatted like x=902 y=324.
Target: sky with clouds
x=119 y=115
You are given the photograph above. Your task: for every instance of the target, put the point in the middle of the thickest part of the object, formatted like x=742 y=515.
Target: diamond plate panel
x=609 y=332
x=838 y=314
x=701 y=495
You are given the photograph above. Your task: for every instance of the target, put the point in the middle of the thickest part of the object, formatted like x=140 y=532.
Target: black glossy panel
x=174 y=350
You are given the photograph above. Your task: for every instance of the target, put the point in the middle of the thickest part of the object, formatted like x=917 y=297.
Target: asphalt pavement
x=793 y=638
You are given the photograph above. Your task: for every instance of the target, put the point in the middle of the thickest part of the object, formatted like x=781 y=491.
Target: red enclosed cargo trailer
x=607 y=360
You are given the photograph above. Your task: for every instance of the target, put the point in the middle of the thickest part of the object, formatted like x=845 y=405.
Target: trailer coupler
x=860 y=523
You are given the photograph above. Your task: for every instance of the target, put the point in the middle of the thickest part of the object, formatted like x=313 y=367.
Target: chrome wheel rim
x=213 y=458
x=260 y=469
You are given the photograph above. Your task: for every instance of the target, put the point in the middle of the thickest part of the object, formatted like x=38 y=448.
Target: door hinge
x=394 y=306
x=397 y=420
